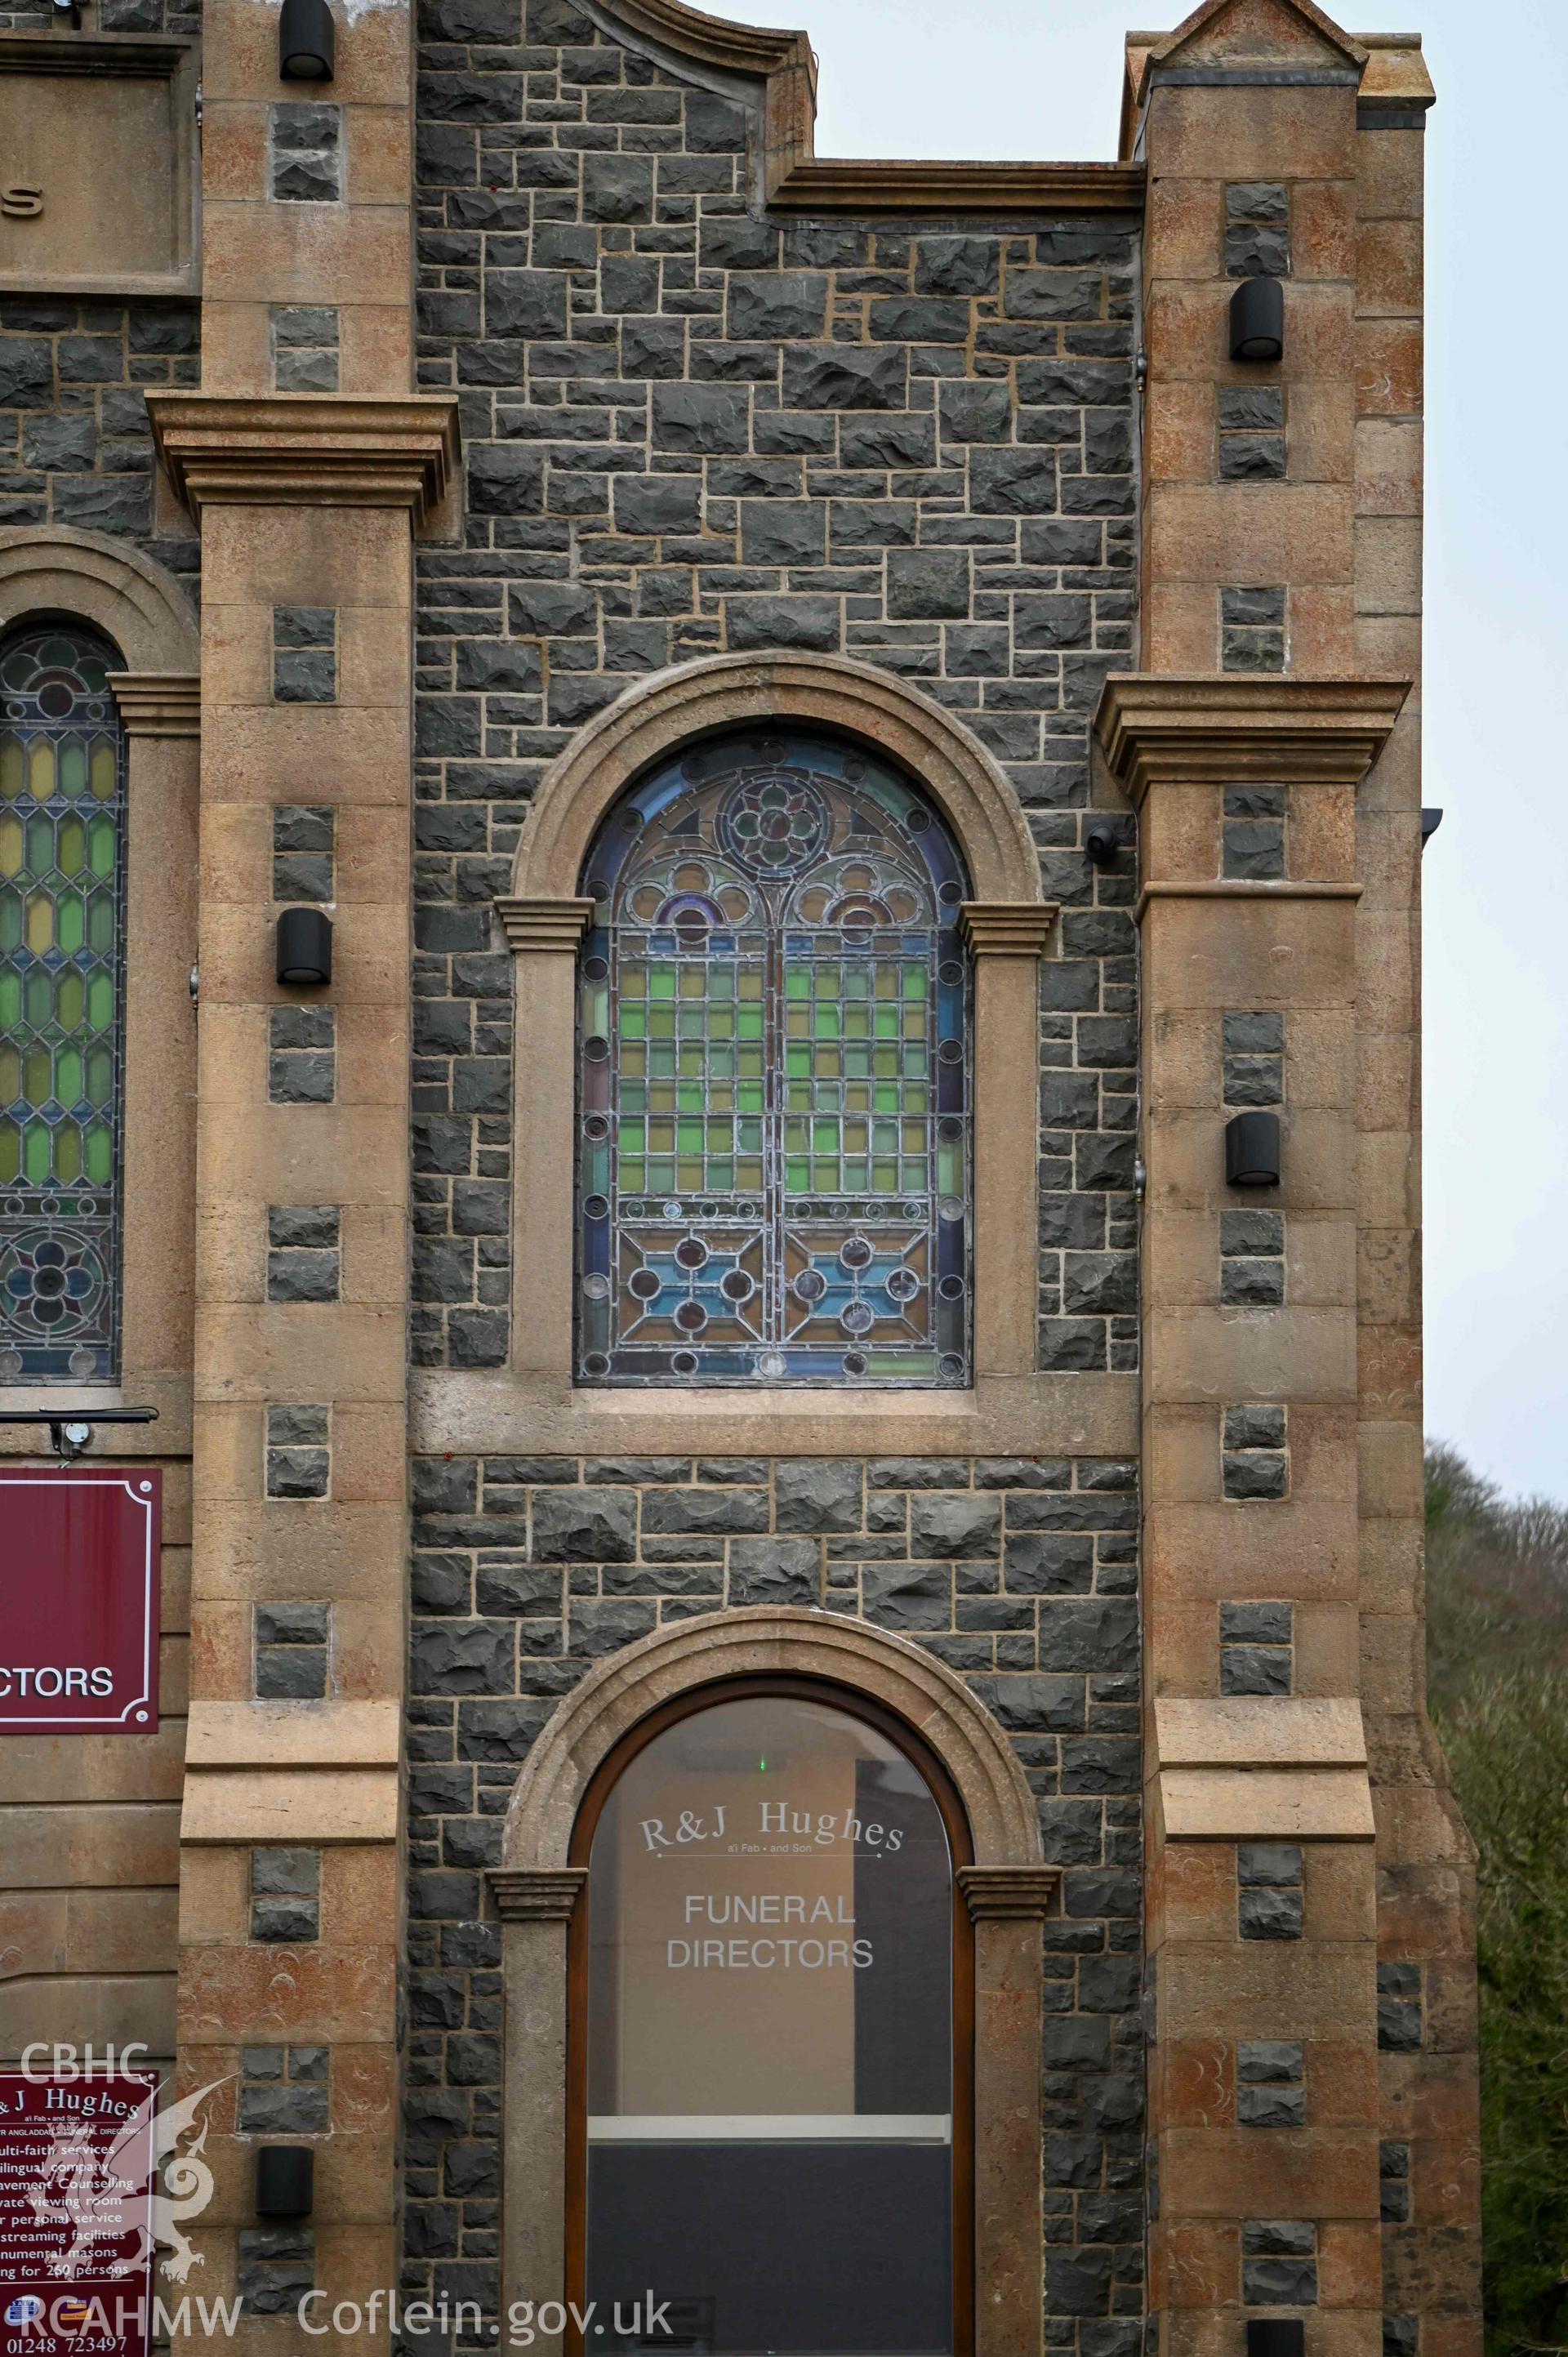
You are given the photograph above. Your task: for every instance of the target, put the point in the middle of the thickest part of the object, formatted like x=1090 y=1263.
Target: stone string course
x=689 y=430
x=1019 y=1574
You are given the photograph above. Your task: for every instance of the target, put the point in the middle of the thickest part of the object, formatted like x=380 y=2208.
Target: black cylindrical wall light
x=304 y=947
x=306 y=41
x=1252 y=1150
x=1275 y=2336
x=286 y=2180
x=1258 y=320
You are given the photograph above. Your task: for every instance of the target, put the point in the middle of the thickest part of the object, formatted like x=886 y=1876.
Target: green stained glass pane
x=101 y=834
x=797 y=983
x=73 y=767
x=633 y=1023
x=662 y=982
x=62 y=1020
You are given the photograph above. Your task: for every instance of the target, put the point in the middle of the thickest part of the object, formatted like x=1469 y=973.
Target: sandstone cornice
x=1008 y=1894
x=541 y=924
x=536 y=1894
x=157 y=704
x=897 y=186
x=1005 y=928
x=1219 y=729
x=307 y=449
x=797 y=180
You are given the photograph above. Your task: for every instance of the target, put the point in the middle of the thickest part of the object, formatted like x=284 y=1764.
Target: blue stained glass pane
x=774 y=1039
x=61 y=989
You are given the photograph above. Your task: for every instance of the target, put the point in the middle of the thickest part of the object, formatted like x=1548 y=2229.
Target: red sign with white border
x=76 y=2234
x=79 y=1600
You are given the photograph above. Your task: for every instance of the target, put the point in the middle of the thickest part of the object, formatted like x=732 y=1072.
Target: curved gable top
x=794 y=177
x=740 y=691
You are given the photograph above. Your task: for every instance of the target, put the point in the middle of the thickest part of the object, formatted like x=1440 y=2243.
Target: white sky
x=1041 y=78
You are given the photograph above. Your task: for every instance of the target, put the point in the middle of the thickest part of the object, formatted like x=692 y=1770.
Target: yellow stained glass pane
x=41 y=769
x=72 y=848
x=100 y=769
x=11 y=769
x=10 y=1073
x=68 y=1153
x=10 y=845
x=10 y=1152
x=40 y=922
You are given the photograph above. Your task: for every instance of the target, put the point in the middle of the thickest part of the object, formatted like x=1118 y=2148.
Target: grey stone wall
x=75 y=445
x=1019 y=1574
x=690 y=429
x=180 y=17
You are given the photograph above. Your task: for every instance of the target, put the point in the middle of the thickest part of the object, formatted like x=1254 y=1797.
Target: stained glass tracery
x=62 y=807
x=774 y=1143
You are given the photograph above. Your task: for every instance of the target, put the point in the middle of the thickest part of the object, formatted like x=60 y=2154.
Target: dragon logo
x=104 y=2203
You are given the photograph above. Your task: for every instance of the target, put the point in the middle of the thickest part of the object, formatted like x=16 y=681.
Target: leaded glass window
x=773 y=1178
x=62 y=876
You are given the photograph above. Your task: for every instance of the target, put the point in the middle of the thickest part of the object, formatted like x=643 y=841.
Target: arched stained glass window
x=773 y=1177
x=62 y=812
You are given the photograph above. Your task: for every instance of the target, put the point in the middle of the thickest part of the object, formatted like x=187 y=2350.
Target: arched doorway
x=772 y=2032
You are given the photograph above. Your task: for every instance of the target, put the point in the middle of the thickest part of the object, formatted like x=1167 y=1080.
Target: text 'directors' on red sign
x=79 y=1600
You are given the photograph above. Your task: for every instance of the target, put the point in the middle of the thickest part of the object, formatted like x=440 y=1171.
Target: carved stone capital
x=536 y=1894
x=1224 y=729
x=544 y=924
x=1007 y=1894
x=1015 y=928
x=157 y=703
x=307 y=449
